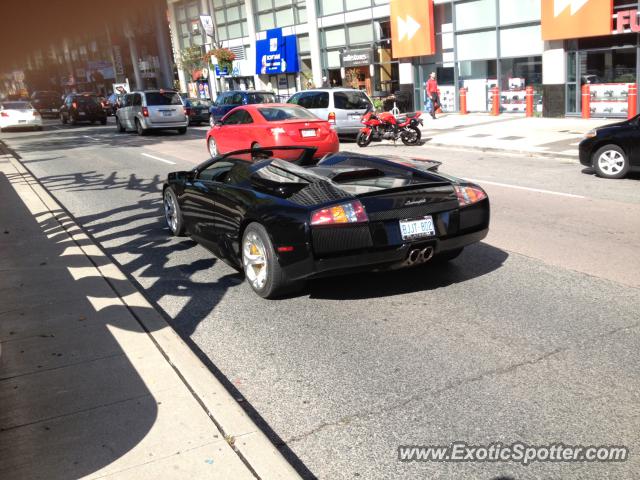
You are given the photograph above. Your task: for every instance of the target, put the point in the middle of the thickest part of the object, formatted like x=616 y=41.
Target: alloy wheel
x=213 y=147
x=170 y=213
x=254 y=259
x=611 y=162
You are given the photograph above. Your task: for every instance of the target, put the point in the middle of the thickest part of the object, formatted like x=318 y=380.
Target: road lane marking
x=159 y=159
x=529 y=189
x=91 y=138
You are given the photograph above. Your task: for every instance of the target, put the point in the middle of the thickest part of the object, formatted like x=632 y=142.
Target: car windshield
x=278 y=114
x=350 y=100
x=163 y=98
x=261 y=98
x=16 y=106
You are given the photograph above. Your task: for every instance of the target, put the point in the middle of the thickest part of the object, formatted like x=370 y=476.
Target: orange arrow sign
x=412 y=33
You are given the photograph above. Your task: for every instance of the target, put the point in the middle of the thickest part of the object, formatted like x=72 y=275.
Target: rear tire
x=411 y=138
x=611 y=161
x=362 y=140
x=103 y=121
x=141 y=131
x=260 y=264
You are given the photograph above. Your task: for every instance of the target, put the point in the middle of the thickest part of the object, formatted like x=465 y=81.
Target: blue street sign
x=277 y=54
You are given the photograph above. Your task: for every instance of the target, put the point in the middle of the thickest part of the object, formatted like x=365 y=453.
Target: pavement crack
x=451 y=386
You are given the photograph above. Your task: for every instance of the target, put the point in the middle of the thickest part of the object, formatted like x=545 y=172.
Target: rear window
x=350 y=100
x=278 y=114
x=16 y=105
x=254 y=98
x=163 y=98
x=88 y=100
x=312 y=100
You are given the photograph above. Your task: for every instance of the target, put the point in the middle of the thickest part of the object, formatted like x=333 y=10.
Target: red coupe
x=271 y=125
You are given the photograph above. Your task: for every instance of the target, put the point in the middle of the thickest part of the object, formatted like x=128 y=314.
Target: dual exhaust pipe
x=419 y=255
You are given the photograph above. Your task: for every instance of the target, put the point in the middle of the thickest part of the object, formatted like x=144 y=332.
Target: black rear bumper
x=376 y=259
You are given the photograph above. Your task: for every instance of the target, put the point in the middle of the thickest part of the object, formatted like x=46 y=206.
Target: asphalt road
x=529 y=336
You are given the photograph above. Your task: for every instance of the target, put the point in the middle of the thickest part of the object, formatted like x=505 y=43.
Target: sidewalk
x=93 y=382
x=514 y=133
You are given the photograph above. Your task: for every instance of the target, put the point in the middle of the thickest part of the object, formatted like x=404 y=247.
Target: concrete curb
x=252 y=446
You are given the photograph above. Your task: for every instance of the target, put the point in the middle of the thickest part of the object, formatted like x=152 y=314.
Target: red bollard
x=495 y=107
x=529 y=97
x=586 y=101
x=463 y=101
x=632 y=101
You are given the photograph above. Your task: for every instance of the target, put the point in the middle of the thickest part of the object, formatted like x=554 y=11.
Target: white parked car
x=19 y=114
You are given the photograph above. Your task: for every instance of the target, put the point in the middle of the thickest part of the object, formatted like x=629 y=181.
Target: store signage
x=627 y=20
x=207 y=24
x=357 y=58
x=563 y=19
x=277 y=53
x=412 y=33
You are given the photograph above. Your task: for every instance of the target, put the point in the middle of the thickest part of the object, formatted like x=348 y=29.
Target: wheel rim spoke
x=255 y=261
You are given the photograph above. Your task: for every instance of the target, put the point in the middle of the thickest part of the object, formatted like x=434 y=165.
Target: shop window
x=386 y=79
x=473 y=46
x=357 y=4
x=360 y=34
x=284 y=18
x=329 y=7
x=516 y=75
x=608 y=74
x=521 y=41
x=478 y=77
x=519 y=11
x=334 y=37
x=475 y=14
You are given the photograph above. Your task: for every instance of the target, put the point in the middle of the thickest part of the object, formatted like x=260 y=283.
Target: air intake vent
x=239 y=51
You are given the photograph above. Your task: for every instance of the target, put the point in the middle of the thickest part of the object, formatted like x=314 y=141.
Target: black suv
x=83 y=107
x=46 y=102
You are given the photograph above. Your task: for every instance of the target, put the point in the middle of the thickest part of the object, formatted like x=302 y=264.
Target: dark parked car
x=286 y=221
x=197 y=109
x=227 y=101
x=82 y=108
x=46 y=102
x=613 y=150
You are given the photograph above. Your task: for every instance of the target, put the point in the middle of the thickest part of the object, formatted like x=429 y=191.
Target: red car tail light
x=4 y=114
x=277 y=131
x=75 y=105
x=145 y=112
x=345 y=213
x=332 y=118
x=468 y=195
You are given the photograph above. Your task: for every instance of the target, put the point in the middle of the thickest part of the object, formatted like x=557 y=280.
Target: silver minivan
x=151 y=110
x=342 y=107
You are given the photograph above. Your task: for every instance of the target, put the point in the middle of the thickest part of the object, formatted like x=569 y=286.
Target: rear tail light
x=351 y=212
x=468 y=195
x=332 y=118
x=75 y=105
x=145 y=112
x=187 y=111
x=4 y=114
x=277 y=131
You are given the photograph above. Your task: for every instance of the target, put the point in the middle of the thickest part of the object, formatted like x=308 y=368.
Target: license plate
x=308 y=133
x=421 y=227
x=55 y=110
x=167 y=114
x=82 y=114
x=354 y=117
x=22 y=121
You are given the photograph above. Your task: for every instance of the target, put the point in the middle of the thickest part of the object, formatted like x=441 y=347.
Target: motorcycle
x=386 y=126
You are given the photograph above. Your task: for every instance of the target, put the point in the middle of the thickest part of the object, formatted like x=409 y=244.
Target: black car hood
x=613 y=127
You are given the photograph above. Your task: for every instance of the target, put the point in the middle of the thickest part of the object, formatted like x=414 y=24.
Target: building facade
x=554 y=46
